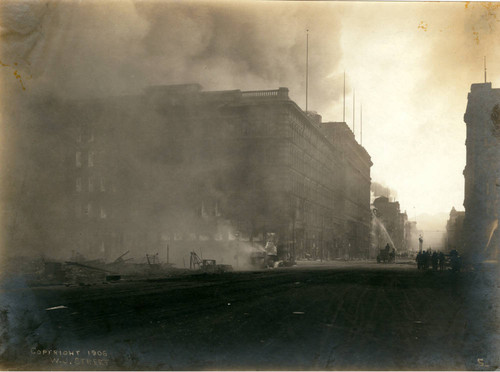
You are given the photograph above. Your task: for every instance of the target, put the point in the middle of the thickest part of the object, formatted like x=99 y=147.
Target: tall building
x=196 y=169
x=482 y=172
x=392 y=229
x=411 y=236
x=353 y=190
x=454 y=230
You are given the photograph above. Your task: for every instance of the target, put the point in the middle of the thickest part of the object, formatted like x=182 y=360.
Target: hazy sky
x=411 y=65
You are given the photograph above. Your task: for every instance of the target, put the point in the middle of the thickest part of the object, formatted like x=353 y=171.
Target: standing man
x=441 y=261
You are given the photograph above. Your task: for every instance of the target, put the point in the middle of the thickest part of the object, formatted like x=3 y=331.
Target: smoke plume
x=111 y=48
x=379 y=189
x=56 y=51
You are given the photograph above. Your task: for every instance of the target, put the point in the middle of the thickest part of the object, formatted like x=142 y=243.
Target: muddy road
x=317 y=317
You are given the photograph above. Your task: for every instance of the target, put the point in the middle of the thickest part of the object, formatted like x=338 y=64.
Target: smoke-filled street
x=249 y=185
x=313 y=316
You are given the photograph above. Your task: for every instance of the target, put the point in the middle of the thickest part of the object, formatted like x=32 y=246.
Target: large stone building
x=352 y=207
x=212 y=171
x=482 y=172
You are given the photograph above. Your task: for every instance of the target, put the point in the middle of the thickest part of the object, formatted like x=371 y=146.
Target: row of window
x=90 y=159
x=311 y=190
x=310 y=213
x=90 y=210
x=85 y=134
x=311 y=167
x=93 y=184
x=210 y=208
x=276 y=154
x=355 y=209
x=355 y=186
x=305 y=135
x=258 y=125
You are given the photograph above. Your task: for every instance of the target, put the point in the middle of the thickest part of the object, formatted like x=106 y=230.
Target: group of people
x=427 y=259
x=437 y=260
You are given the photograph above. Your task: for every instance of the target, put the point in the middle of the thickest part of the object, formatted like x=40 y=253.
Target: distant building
x=411 y=236
x=391 y=227
x=454 y=230
x=403 y=222
x=352 y=209
x=482 y=172
x=178 y=165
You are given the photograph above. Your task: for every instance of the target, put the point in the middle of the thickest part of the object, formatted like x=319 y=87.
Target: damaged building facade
x=482 y=173
x=184 y=167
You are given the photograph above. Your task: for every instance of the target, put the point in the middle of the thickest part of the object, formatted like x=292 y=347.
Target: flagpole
x=485 y=69
x=307 y=64
x=361 y=132
x=353 y=112
x=343 y=115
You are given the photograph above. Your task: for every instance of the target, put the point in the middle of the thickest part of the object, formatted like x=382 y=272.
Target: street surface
x=316 y=316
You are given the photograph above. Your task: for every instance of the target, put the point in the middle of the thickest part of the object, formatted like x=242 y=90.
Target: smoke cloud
x=111 y=48
x=379 y=189
x=54 y=51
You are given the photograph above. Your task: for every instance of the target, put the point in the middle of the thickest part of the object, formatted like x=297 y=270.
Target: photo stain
x=476 y=37
x=18 y=76
x=15 y=73
x=422 y=26
x=488 y=18
x=491 y=8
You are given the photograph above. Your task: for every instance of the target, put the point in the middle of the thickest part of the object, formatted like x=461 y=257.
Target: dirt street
x=316 y=316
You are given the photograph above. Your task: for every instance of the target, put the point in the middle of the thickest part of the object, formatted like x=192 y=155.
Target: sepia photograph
x=249 y=185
